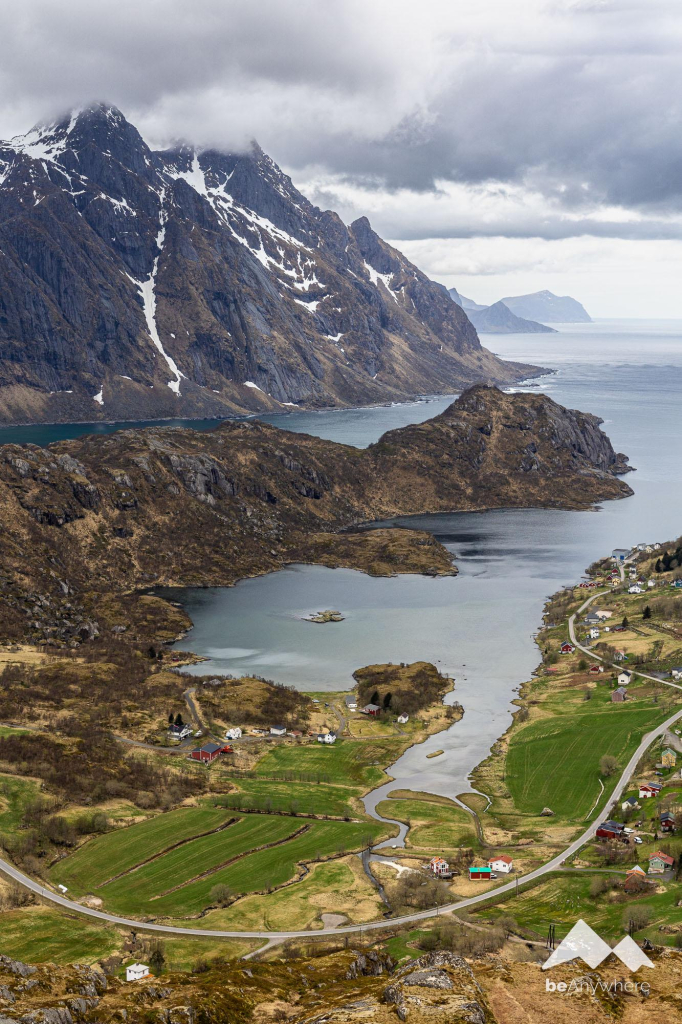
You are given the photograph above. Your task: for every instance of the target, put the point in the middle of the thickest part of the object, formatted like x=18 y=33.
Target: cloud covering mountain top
x=550 y=119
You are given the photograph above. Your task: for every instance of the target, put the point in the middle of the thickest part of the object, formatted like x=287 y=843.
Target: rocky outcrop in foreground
x=347 y=987
x=163 y=506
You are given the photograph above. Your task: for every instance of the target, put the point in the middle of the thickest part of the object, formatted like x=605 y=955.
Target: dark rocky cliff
x=136 y=284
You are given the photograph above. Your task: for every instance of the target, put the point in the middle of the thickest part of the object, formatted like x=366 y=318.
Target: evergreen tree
x=646 y=614
x=625 y=622
x=374 y=699
x=171 y=718
x=387 y=701
x=178 y=719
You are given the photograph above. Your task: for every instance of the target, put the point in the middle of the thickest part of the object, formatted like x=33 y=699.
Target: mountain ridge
x=140 y=284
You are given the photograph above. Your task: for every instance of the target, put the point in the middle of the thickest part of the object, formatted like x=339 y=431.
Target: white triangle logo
x=583 y=943
x=631 y=955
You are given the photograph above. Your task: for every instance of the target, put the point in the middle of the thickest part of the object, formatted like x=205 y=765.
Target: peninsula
x=86 y=523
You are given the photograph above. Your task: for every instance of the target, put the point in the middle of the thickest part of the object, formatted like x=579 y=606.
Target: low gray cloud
x=576 y=101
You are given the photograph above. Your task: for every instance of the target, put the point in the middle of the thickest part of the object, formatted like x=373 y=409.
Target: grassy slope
x=179 y=866
x=107 y=855
x=267 y=868
x=564 y=899
x=348 y=761
x=264 y=794
x=555 y=761
x=39 y=934
x=336 y=886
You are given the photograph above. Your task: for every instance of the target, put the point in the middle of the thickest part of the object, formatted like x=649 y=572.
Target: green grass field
x=264 y=794
x=107 y=855
x=145 y=888
x=434 y=823
x=351 y=762
x=42 y=935
x=266 y=868
x=15 y=794
x=180 y=866
x=554 y=762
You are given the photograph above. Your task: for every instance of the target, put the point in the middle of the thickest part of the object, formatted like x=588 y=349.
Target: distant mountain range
x=138 y=284
x=522 y=314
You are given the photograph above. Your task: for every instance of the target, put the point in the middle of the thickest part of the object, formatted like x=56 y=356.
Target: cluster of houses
x=501 y=864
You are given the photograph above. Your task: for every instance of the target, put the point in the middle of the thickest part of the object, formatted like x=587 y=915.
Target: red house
x=371 y=709
x=610 y=830
x=567 y=648
x=208 y=753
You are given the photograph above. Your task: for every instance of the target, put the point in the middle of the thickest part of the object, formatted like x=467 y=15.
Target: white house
x=594 y=633
x=651 y=583
x=635 y=589
x=503 y=864
x=278 y=730
x=352 y=702
x=677 y=672
x=179 y=732
x=234 y=733
x=136 y=971
x=624 y=677
x=326 y=737
x=439 y=866
x=402 y=719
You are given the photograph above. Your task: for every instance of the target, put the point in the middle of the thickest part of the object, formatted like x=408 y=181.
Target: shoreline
x=235 y=417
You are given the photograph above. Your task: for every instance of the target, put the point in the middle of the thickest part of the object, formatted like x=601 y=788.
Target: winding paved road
x=271 y=937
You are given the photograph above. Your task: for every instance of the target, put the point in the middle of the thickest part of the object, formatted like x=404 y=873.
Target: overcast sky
x=504 y=145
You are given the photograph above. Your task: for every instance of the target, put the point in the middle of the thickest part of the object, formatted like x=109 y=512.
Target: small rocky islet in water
x=329 y=615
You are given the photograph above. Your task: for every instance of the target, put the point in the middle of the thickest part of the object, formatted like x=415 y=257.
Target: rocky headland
x=87 y=523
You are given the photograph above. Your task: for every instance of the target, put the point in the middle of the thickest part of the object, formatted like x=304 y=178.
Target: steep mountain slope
x=138 y=284
x=103 y=515
x=499 y=319
x=548 y=308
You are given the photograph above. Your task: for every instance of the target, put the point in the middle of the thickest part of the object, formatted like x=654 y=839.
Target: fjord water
x=479 y=625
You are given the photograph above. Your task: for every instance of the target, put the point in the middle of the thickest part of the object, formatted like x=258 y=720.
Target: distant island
x=522 y=314
x=499 y=319
x=548 y=308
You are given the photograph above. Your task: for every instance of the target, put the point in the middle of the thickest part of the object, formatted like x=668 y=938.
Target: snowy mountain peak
x=197 y=282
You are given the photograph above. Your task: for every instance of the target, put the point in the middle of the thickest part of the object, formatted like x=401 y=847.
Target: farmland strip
x=232 y=860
